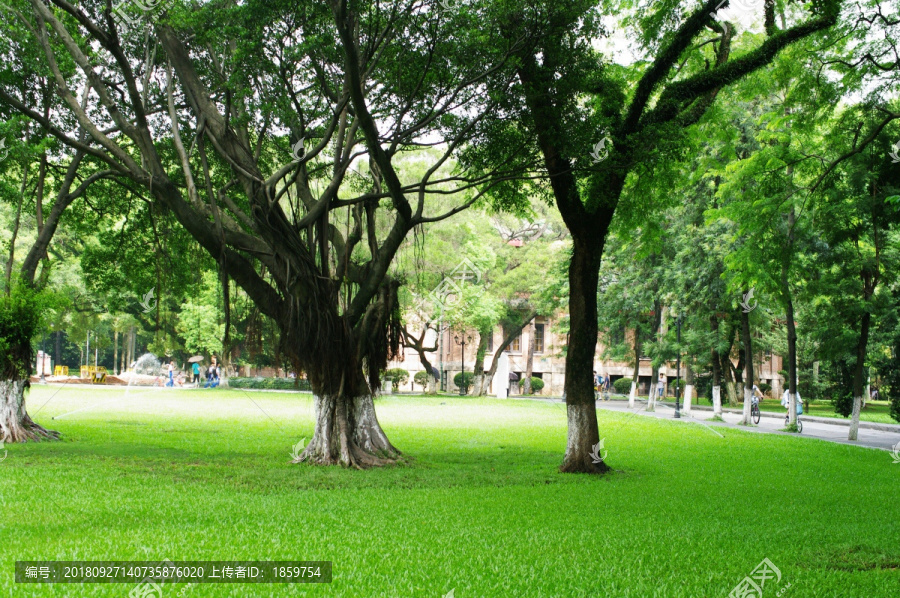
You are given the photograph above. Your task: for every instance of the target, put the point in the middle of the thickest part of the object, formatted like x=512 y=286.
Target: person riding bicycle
x=786 y=401
x=755 y=395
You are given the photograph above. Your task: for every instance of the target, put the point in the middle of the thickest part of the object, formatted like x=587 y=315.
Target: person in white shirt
x=786 y=399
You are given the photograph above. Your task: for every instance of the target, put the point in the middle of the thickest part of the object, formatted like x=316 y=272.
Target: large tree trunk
x=859 y=374
x=347 y=431
x=748 y=364
x=529 y=360
x=581 y=410
x=15 y=423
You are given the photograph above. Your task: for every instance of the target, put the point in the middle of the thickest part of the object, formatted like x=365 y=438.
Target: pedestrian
x=210 y=371
x=196 y=369
x=660 y=386
x=171 y=381
x=606 y=384
x=598 y=381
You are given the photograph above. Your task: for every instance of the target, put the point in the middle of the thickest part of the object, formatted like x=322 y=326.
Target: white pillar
x=632 y=394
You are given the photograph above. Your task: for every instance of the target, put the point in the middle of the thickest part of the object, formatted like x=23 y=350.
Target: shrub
x=421 y=378
x=622 y=386
x=269 y=383
x=537 y=385
x=21 y=316
x=397 y=376
x=764 y=388
x=458 y=380
x=703 y=386
x=843 y=403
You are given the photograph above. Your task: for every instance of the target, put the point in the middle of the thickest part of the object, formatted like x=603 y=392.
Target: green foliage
x=622 y=386
x=22 y=313
x=764 y=388
x=843 y=403
x=537 y=385
x=260 y=383
x=421 y=378
x=397 y=376
x=469 y=378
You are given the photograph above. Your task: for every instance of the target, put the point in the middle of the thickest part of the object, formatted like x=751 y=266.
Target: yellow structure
x=97 y=374
x=61 y=370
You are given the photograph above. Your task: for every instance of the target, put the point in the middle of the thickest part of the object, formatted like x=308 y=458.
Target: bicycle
x=754 y=410
x=787 y=422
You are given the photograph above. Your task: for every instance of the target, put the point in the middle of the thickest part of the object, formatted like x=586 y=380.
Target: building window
x=617 y=336
x=538 y=338
x=516 y=345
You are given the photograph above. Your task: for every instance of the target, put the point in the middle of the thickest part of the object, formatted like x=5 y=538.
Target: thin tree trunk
x=478 y=372
x=529 y=360
x=859 y=374
x=635 y=377
x=688 y=385
x=792 y=344
x=509 y=337
x=748 y=364
x=716 y=367
x=15 y=233
x=115 y=350
x=581 y=410
x=654 y=373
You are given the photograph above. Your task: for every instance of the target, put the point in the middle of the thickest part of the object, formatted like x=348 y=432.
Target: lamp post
x=678 y=369
x=460 y=340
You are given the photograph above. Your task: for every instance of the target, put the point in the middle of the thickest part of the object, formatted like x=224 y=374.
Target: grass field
x=478 y=509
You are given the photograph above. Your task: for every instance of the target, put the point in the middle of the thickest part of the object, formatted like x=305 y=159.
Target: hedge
x=269 y=383
x=622 y=386
x=458 y=380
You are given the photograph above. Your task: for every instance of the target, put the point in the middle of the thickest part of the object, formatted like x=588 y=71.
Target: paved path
x=885 y=437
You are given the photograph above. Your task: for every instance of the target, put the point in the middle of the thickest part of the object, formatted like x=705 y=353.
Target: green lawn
x=478 y=509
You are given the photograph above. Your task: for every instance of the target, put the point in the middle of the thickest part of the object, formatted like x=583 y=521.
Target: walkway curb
x=822 y=420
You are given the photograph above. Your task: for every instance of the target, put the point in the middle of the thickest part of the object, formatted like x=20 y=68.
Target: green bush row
x=269 y=383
